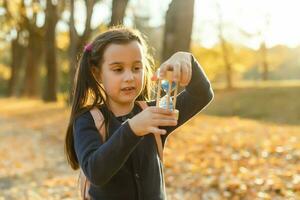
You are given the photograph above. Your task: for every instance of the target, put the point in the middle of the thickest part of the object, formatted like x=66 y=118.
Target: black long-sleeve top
x=127 y=166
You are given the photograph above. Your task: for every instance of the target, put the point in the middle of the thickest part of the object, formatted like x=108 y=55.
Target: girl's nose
x=129 y=76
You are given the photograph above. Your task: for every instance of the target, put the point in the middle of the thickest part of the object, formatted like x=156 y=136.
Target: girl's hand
x=149 y=119
x=180 y=63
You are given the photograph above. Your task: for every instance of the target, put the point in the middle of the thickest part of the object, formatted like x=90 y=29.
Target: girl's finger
x=185 y=74
x=165 y=122
x=190 y=72
x=176 y=71
x=164 y=68
x=161 y=70
x=158 y=110
x=156 y=130
x=156 y=118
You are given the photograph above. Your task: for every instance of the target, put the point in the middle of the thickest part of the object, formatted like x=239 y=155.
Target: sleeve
x=100 y=161
x=194 y=98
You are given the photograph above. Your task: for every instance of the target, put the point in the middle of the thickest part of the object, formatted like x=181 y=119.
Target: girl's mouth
x=128 y=89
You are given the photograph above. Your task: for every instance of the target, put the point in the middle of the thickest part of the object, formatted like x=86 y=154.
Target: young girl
x=114 y=72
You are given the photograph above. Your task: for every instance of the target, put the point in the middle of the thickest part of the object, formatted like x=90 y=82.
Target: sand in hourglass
x=169 y=86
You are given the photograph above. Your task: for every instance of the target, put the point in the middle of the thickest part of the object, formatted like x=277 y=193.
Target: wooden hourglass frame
x=169 y=79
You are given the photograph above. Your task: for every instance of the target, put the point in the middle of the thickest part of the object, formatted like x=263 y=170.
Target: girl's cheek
x=141 y=79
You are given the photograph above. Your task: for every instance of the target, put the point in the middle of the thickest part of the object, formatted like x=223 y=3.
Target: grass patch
x=273 y=104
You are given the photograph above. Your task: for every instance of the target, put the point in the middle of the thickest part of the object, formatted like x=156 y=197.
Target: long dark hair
x=88 y=92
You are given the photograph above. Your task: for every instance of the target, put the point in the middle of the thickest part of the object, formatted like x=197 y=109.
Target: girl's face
x=122 y=73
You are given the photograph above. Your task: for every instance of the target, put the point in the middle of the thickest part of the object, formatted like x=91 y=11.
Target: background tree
x=224 y=48
x=13 y=25
x=264 y=50
x=77 y=41
x=264 y=61
x=178 y=27
x=52 y=17
x=118 y=12
x=34 y=49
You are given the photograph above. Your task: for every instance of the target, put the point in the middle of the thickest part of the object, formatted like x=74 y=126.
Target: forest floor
x=210 y=158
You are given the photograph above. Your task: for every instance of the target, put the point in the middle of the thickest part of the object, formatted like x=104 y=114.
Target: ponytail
x=85 y=88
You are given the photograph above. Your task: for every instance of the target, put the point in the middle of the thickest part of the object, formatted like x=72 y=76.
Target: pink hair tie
x=88 y=47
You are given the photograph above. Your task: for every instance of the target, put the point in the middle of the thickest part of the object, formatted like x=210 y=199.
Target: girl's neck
x=121 y=109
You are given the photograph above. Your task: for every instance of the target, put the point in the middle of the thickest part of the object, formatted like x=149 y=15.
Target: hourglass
x=168 y=86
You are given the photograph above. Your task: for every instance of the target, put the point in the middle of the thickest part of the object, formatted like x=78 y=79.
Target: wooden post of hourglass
x=158 y=92
x=169 y=79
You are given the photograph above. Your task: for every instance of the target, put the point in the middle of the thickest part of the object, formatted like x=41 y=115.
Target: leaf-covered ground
x=209 y=158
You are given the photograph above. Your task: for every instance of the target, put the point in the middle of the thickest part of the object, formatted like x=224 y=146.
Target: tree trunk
x=224 y=49
x=31 y=86
x=32 y=71
x=118 y=12
x=178 y=27
x=265 y=64
x=50 y=89
x=17 y=49
x=227 y=63
x=17 y=61
x=72 y=50
x=77 y=41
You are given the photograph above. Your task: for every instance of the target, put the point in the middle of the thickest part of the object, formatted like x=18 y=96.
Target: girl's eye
x=117 y=69
x=137 y=68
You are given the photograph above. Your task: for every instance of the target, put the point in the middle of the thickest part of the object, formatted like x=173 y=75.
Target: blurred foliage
x=4 y=75
x=63 y=41
x=284 y=62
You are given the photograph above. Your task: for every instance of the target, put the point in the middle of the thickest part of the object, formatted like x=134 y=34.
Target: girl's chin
x=133 y=94
x=128 y=93
x=128 y=98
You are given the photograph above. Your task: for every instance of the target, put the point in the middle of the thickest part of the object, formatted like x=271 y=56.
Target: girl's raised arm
x=198 y=92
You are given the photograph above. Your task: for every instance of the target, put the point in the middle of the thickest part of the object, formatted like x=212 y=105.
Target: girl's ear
x=96 y=73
